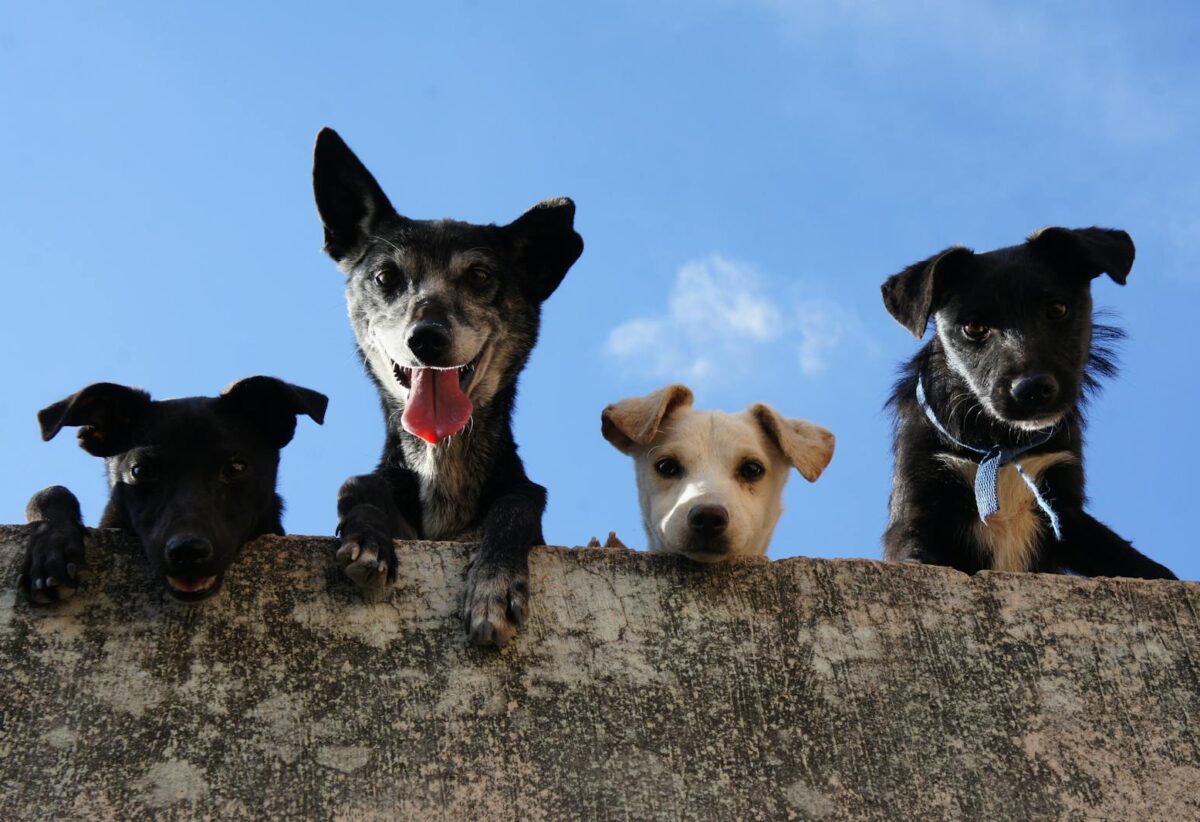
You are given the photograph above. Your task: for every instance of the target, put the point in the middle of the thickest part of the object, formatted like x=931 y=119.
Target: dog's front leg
x=902 y=544
x=54 y=551
x=922 y=510
x=368 y=523
x=496 y=600
x=1091 y=548
x=924 y=533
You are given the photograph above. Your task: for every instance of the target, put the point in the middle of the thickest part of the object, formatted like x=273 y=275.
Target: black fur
x=193 y=478
x=974 y=388
x=480 y=288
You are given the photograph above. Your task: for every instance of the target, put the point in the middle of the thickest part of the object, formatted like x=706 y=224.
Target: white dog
x=710 y=483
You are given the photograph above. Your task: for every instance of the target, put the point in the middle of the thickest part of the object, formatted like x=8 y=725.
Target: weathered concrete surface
x=642 y=687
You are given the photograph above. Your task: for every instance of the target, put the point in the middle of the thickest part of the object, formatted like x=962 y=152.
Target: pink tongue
x=437 y=406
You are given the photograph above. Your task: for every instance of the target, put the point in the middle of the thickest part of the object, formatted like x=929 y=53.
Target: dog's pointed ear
x=273 y=406
x=545 y=245
x=107 y=413
x=1087 y=251
x=635 y=422
x=349 y=200
x=807 y=446
x=913 y=295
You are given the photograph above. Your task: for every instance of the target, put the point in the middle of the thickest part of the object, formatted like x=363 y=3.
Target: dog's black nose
x=188 y=550
x=709 y=520
x=1035 y=391
x=428 y=340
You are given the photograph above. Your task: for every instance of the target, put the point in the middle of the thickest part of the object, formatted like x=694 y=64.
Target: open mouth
x=438 y=405
x=466 y=373
x=192 y=587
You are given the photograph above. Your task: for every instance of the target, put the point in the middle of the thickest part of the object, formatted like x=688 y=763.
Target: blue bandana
x=986 y=499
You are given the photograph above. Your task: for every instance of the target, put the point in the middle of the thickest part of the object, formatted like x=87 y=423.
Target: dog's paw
x=495 y=604
x=53 y=563
x=368 y=556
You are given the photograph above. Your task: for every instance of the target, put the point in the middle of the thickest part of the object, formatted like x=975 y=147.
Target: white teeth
x=403 y=374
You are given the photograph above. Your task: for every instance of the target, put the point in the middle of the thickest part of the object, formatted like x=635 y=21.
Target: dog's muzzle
x=429 y=342
x=707 y=524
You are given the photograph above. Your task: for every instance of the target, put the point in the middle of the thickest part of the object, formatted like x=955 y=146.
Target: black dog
x=194 y=478
x=989 y=414
x=446 y=314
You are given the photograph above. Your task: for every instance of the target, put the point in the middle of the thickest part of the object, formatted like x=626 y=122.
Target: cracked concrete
x=643 y=687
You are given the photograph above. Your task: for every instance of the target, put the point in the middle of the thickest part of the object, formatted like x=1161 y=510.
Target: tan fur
x=808 y=447
x=1011 y=533
x=636 y=421
x=711 y=446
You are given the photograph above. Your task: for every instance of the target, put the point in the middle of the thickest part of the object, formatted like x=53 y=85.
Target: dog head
x=1016 y=323
x=710 y=484
x=445 y=312
x=194 y=478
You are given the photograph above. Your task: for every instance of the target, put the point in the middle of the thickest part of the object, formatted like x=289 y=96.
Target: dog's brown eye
x=479 y=277
x=233 y=469
x=976 y=331
x=141 y=472
x=668 y=467
x=751 y=471
x=1058 y=311
x=387 y=278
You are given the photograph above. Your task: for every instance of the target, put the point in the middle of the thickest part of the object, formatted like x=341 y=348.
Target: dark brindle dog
x=193 y=478
x=989 y=414
x=446 y=314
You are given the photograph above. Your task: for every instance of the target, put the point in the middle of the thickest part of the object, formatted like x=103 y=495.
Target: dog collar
x=986 y=499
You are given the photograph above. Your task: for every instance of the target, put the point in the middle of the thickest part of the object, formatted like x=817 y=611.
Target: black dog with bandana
x=990 y=413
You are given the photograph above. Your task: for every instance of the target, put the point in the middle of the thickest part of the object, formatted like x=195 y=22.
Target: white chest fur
x=1011 y=534
x=449 y=495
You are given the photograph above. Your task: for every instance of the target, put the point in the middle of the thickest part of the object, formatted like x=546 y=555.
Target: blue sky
x=778 y=157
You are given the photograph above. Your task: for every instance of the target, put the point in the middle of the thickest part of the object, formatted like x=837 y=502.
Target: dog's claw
x=53 y=549
x=368 y=558
x=348 y=552
x=364 y=567
x=495 y=604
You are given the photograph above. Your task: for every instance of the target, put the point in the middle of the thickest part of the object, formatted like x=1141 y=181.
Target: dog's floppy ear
x=807 y=446
x=545 y=245
x=273 y=405
x=349 y=200
x=108 y=414
x=1087 y=251
x=636 y=421
x=914 y=294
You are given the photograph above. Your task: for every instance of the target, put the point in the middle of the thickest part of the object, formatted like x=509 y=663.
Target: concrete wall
x=642 y=687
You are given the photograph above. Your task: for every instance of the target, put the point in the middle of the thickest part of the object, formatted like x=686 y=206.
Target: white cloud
x=821 y=326
x=722 y=316
x=719 y=293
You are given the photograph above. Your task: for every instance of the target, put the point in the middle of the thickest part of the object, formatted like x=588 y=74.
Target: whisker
x=387 y=242
x=956 y=402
